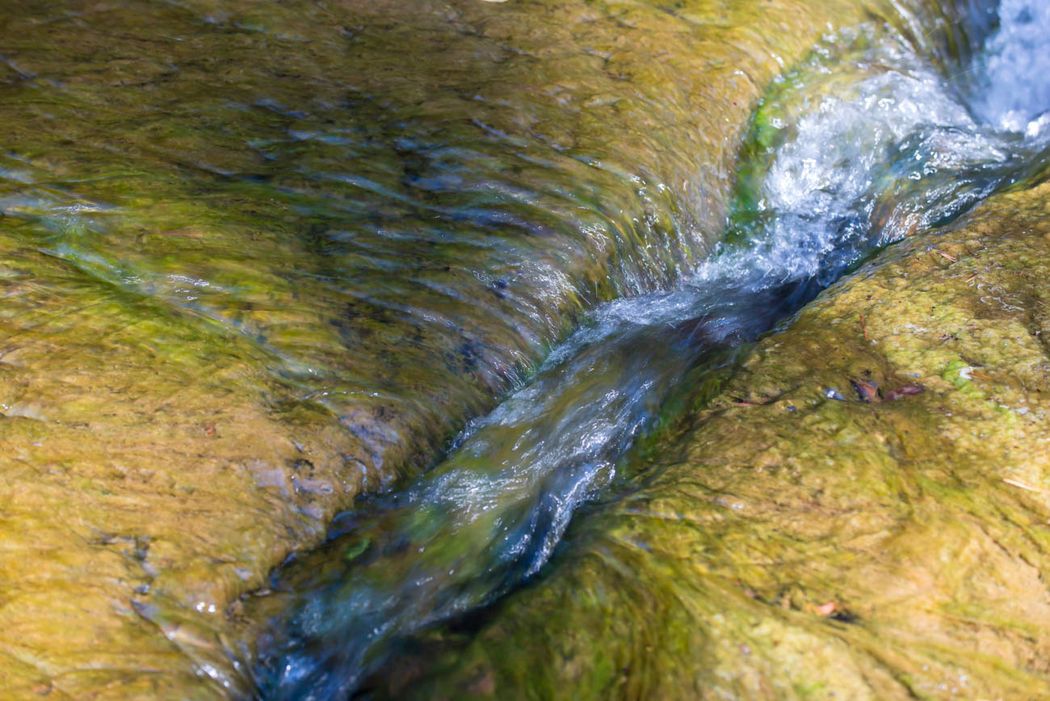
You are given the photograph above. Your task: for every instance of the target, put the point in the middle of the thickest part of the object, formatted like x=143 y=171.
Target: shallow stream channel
x=870 y=140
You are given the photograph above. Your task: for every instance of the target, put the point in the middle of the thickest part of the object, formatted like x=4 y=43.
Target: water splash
x=1008 y=91
x=862 y=146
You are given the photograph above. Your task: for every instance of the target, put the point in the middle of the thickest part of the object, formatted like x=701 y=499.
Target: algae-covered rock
x=863 y=511
x=258 y=257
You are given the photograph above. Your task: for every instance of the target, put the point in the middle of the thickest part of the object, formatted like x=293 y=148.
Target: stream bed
x=864 y=144
x=539 y=348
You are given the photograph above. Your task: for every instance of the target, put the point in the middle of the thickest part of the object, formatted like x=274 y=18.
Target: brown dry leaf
x=905 y=391
x=867 y=391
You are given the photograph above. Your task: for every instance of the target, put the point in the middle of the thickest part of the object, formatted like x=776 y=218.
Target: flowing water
x=240 y=222
x=862 y=145
x=260 y=258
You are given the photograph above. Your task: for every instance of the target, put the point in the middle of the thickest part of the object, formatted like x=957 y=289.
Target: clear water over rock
x=260 y=258
x=865 y=144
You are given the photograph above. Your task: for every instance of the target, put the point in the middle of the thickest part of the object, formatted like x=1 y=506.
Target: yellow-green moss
x=788 y=545
x=227 y=307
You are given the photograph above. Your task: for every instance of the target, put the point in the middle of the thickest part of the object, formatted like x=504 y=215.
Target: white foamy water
x=1011 y=89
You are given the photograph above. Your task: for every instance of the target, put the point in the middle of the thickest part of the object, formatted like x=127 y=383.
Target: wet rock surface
x=862 y=510
x=255 y=259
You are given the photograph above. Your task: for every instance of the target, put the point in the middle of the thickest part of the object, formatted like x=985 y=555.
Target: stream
x=864 y=144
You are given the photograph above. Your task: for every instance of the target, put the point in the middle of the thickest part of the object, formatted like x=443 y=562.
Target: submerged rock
x=257 y=259
x=778 y=543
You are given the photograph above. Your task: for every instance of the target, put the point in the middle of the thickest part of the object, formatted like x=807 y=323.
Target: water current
x=864 y=144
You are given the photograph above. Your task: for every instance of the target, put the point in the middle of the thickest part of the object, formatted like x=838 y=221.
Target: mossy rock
x=889 y=543
x=258 y=258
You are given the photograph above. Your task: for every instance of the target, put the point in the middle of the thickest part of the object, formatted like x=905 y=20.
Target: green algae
x=258 y=259
x=806 y=547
